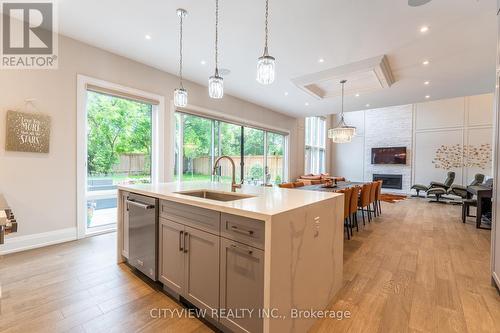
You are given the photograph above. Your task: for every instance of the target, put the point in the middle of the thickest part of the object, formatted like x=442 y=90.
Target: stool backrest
x=347 y=200
x=379 y=189
x=364 y=197
x=353 y=206
x=373 y=190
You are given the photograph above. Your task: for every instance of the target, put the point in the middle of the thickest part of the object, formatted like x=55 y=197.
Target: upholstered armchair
x=437 y=187
x=447 y=183
x=461 y=191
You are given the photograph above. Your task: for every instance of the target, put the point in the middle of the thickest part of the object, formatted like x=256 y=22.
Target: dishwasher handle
x=140 y=204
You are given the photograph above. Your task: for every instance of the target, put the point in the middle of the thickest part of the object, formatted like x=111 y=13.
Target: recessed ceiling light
x=427 y=83
x=424 y=29
x=357 y=95
x=425 y=62
x=321 y=60
x=286 y=93
x=148 y=37
x=427 y=96
x=367 y=105
x=306 y=104
x=203 y=62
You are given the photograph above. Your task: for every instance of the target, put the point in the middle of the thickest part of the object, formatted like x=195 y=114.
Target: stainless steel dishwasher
x=143 y=233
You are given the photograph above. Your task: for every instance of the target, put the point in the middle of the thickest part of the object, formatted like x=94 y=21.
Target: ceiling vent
x=364 y=77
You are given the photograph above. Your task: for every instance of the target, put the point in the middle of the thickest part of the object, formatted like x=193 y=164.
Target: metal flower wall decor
x=457 y=156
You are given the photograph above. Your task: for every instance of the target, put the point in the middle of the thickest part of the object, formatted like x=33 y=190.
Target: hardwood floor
x=415 y=269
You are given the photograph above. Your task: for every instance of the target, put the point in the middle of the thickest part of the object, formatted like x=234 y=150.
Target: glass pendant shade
x=180 y=97
x=342 y=134
x=265 y=69
x=216 y=87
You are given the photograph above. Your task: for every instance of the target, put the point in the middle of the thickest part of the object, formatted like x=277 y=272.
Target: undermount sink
x=213 y=195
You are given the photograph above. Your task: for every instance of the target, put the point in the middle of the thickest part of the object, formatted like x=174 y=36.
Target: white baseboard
x=23 y=243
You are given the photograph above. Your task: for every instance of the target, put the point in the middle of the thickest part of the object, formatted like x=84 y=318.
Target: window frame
x=180 y=139
x=85 y=83
x=315 y=145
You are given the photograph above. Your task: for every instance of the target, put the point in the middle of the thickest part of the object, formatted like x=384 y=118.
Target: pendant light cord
x=266 y=52
x=342 y=122
x=180 y=52
x=342 y=101
x=216 y=37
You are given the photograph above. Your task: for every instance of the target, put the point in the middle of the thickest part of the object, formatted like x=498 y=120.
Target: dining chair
x=347 y=201
x=353 y=207
x=364 y=201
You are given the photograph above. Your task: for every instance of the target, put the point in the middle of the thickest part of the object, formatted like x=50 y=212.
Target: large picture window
x=259 y=155
x=315 y=144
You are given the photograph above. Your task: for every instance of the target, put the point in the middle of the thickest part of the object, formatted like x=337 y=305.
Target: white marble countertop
x=266 y=201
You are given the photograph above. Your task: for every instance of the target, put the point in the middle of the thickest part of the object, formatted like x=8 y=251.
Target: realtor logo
x=29 y=36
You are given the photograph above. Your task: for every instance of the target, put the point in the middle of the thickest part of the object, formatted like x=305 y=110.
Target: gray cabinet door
x=202 y=269
x=171 y=255
x=241 y=284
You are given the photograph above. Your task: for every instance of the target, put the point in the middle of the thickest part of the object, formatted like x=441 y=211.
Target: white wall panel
x=480 y=110
x=440 y=114
x=476 y=137
x=426 y=144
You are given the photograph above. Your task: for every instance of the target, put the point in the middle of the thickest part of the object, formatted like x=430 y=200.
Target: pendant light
x=180 y=94
x=266 y=63
x=216 y=82
x=342 y=133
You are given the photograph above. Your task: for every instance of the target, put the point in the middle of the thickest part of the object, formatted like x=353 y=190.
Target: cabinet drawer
x=200 y=218
x=243 y=229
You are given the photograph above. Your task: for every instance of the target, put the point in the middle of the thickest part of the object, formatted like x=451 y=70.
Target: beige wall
x=41 y=188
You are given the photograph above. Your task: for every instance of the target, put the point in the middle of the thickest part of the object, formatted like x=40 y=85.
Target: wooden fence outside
x=202 y=165
x=132 y=164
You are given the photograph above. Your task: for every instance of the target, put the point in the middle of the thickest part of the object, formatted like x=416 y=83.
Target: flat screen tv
x=389 y=155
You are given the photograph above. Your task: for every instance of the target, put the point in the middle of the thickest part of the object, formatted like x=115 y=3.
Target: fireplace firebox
x=390 y=181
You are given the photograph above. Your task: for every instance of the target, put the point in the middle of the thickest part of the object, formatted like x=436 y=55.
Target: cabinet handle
x=139 y=204
x=236 y=247
x=242 y=231
x=186 y=239
x=180 y=240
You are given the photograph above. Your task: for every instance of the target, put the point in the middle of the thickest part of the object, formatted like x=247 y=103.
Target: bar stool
x=364 y=201
x=347 y=200
x=353 y=207
x=378 y=192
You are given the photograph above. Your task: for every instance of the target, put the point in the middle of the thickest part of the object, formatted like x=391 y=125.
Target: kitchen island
x=251 y=259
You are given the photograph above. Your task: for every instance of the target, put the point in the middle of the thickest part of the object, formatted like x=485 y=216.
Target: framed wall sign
x=27 y=132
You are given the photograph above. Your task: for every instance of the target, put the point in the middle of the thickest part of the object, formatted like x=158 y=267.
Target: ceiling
x=460 y=44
